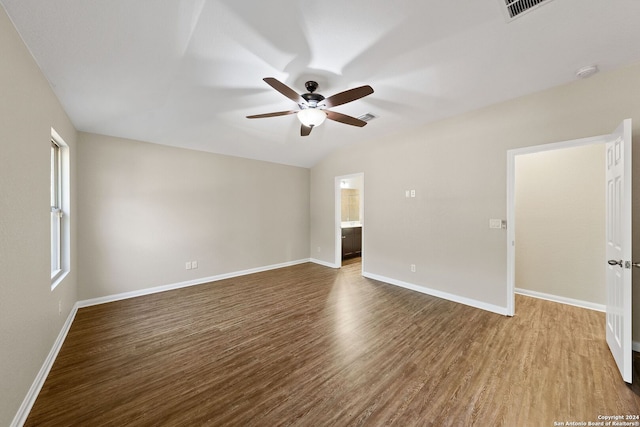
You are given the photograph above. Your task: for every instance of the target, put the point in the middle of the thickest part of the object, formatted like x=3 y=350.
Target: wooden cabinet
x=351 y=242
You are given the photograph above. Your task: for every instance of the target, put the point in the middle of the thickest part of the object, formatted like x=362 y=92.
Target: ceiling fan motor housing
x=312 y=98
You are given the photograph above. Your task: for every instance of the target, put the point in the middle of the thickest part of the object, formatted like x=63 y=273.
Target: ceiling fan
x=313 y=106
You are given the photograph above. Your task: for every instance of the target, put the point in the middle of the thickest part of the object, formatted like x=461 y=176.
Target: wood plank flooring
x=313 y=346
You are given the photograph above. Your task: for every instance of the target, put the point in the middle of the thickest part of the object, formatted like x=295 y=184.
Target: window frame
x=59 y=210
x=56 y=210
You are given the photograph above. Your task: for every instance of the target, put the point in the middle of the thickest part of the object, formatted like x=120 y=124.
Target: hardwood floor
x=314 y=346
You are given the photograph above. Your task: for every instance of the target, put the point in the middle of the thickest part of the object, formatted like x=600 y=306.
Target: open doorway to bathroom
x=349 y=218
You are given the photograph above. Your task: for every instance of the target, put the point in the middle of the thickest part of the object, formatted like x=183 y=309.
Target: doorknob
x=627 y=264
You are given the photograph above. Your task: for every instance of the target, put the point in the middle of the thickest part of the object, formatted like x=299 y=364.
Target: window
x=59 y=207
x=56 y=210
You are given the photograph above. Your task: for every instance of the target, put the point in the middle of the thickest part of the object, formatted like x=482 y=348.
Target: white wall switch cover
x=495 y=223
x=194 y=264
x=187 y=265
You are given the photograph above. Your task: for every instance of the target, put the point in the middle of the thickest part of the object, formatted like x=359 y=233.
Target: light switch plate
x=495 y=223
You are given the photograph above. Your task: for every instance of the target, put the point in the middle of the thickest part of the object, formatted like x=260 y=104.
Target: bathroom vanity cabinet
x=351 y=242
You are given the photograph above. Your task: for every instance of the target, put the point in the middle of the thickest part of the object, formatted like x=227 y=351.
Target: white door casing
x=618 y=307
x=511 y=217
x=618 y=247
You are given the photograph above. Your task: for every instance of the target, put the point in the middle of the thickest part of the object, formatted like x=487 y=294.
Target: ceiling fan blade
x=285 y=90
x=347 y=96
x=343 y=118
x=278 y=113
x=305 y=130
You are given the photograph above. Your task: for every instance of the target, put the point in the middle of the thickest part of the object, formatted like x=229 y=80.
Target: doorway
x=512 y=157
x=617 y=242
x=349 y=218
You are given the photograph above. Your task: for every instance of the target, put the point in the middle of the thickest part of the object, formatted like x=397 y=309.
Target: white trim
x=580 y=142
x=324 y=263
x=194 y=282
x=440 y=294
x=511 y=216
x=23 y=412
x=562 y=300
x=337 y=221
x=58 y=278
x=511 y=233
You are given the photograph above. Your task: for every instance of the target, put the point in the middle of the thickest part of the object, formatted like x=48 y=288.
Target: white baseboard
x=194 y=282
x=324 y=263
x=635 y=346
x=570 y=301
x=34 y=390
x=23 y=412
x=562 y=300
x=440 y=294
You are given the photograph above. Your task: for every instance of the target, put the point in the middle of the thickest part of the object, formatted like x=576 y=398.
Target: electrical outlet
x=413 y=268
x=194 y=264
x=413 y=193
x=59 y=307
x=187 y=265
x=319 y=249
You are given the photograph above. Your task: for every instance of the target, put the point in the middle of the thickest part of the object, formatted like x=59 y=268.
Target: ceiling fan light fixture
x=314 y=108
x=312 y=117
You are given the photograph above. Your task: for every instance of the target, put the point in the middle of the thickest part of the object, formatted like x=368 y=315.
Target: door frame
x=511 y=217
x=338 y=217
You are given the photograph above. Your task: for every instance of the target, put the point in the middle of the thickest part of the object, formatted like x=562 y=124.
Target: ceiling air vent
x=515 y=8
x=367 y=117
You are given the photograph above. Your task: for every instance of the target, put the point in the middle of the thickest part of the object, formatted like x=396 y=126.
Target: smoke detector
x=587 y=71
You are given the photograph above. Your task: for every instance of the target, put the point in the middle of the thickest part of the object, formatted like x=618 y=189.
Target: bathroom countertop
x=350 y=224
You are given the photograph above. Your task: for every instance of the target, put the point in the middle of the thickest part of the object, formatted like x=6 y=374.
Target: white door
x=618 y=320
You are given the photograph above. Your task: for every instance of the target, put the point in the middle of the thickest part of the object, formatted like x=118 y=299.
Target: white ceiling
x=187 y=72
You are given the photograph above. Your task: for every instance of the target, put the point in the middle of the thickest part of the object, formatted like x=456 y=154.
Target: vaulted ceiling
x=186 y=72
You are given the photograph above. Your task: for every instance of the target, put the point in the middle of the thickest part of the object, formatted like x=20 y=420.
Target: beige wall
x=29 y=319
x=560 y=216
x=146 y=209
x=458 y=167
